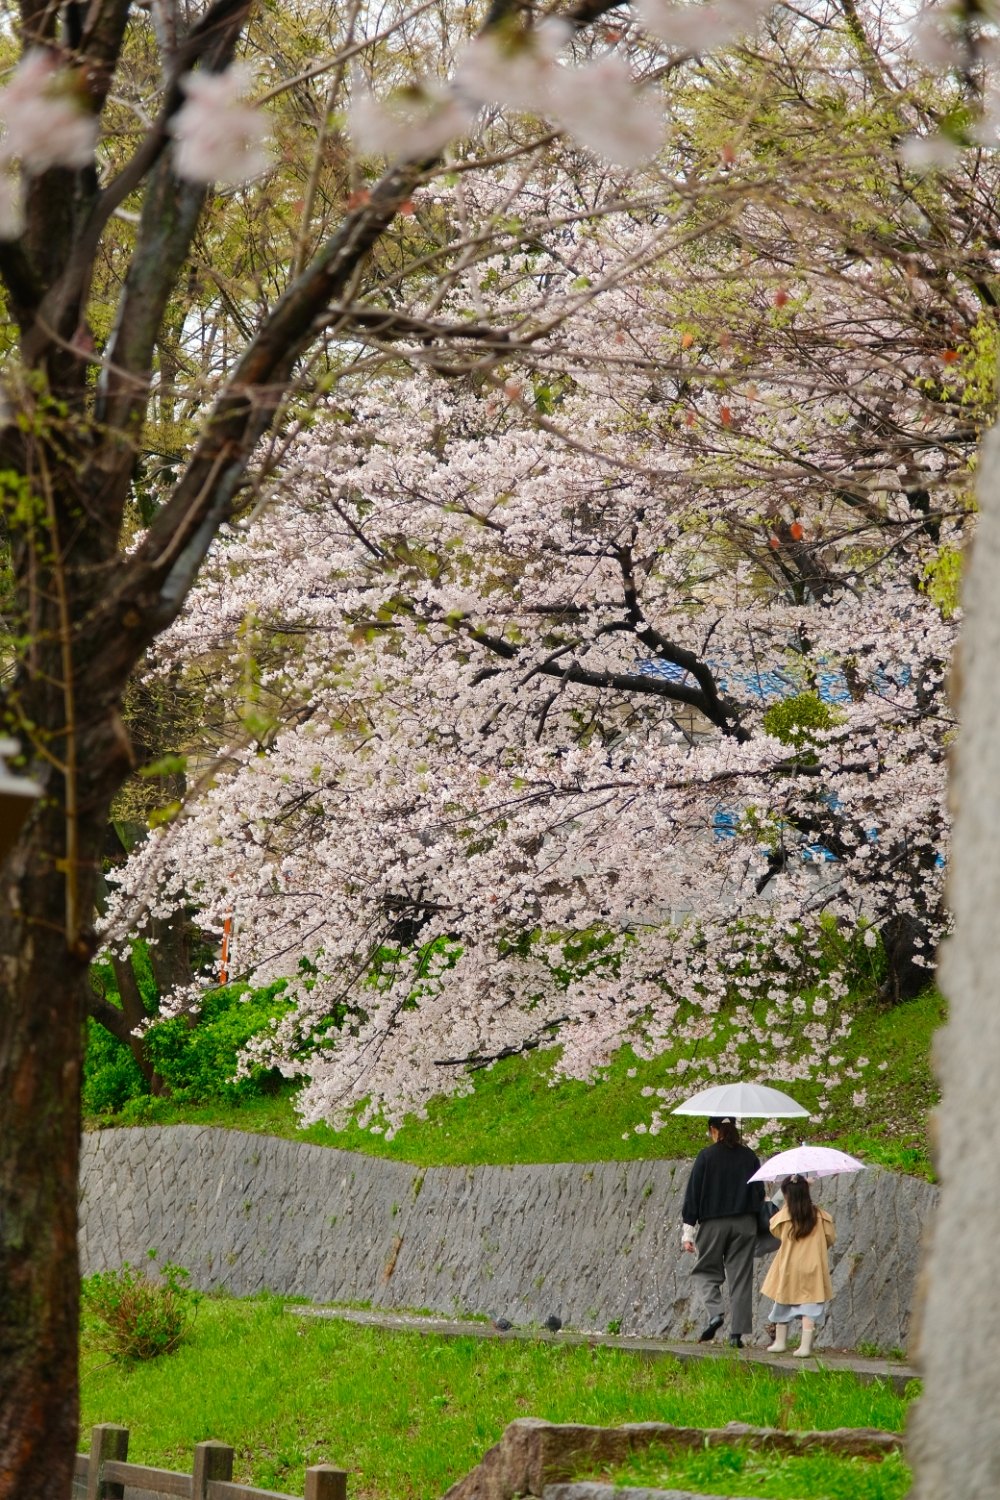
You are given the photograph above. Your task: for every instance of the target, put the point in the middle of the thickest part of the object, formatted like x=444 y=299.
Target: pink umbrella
x=807 y=1161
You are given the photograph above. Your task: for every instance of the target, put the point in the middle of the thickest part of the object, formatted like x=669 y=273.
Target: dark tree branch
x=39 y=20
x=622 y=682
x=100 y=43
x=386 y=324
x=23 y=286
x=170 y=214
x=723 y=714
x=121 y=1023
x=475 y=1060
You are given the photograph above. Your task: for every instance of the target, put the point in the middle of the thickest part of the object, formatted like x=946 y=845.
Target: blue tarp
x=771 y=686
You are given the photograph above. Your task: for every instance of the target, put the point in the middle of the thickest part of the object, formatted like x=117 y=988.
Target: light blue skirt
x=784 y=1312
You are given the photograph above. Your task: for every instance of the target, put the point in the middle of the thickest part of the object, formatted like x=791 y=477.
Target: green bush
x=111 y=1076
x=201 y=1059
x=794 y=720
x=144 y=1109
x=138 y=1318
x=195 y=1056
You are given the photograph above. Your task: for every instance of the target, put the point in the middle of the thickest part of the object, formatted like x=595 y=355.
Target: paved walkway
x=866 y=1369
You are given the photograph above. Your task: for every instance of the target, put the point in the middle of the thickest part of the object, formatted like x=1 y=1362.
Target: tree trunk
x=117 y=1022
x=955 y=1438
x=64 y=704
x=170 y=952
x=905 y=940
x=44 y=989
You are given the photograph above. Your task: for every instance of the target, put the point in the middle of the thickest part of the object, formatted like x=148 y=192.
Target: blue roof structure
x=771 y=686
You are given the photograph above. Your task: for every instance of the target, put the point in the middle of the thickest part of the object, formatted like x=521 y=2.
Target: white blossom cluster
x=598 y=103
x=46 y=121
x=949 y=38
x=219 y=138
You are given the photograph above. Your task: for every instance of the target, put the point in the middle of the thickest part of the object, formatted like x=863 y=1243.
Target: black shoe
x=736 y=1341
x=709 y=1331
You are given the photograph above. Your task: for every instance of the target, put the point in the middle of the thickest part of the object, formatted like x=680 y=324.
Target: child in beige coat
x=799 y=1276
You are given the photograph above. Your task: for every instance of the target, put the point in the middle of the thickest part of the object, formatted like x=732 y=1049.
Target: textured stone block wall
x=595 y=1244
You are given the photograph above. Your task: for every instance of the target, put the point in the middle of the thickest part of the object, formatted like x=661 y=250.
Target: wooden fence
x=105 y=1474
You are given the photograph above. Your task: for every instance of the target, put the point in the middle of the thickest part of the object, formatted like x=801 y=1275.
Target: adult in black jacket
x=720 y=1225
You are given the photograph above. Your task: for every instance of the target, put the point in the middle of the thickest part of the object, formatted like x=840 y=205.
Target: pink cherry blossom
x=700 y=27
x=420 y=789
x=602 y=109
x=415 y=122
x=43 y=116
x=926 y=153
x=472 y=818
x=515 y=71
x=218 y=137
x=937 y=40
x=597 y=103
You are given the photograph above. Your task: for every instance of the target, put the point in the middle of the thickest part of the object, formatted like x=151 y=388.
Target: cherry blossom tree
x=616 y=676
x=533 y=678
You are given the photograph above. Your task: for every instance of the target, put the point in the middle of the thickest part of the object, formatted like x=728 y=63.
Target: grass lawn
x=407 y=1414
x=518 y=1114
x=741 y=1471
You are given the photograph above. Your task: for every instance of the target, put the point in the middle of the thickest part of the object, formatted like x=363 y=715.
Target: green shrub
x=139 y=1319
x=144 y=1109
x=794 y=720
x=201 y=1059
x=111 y=1075
x=195 y=1056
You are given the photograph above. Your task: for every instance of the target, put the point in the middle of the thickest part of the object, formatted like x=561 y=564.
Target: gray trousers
x=725 y=1253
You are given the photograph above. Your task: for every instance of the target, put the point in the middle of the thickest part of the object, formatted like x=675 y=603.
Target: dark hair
x=802 y=1210
x=726 y=1126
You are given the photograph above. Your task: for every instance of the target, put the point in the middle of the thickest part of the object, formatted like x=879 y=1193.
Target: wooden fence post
x=324 y=1482
x=106 y=1441
x=211 y=1461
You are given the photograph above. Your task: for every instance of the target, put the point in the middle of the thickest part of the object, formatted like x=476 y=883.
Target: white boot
x=806 y=1346
x=780 y=1340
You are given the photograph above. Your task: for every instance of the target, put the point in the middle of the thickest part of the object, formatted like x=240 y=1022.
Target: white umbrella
x=807 y=1161
x=741 y=1100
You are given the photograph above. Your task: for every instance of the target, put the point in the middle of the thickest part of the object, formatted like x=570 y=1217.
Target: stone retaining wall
x=596 y=1245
